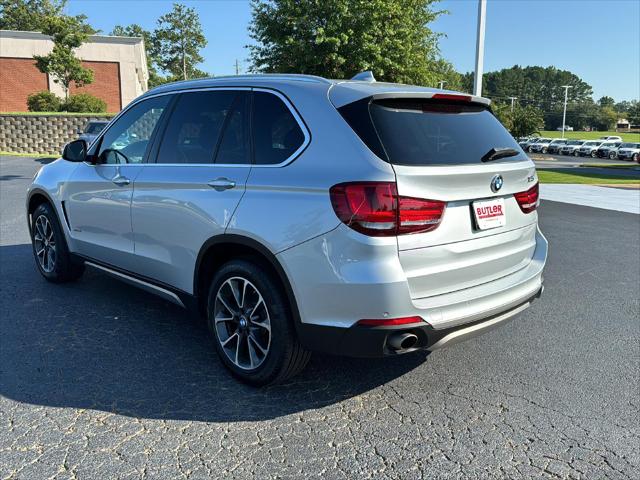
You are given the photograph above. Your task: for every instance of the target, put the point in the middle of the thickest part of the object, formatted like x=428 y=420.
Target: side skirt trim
x=136 y=282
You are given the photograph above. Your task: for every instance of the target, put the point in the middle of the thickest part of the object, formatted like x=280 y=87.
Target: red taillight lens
x=418 y=215
x=388 y=322
x=528 y=201
x=375 y=209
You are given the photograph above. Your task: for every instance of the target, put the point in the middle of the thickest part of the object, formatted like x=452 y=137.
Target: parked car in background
x=538 y=145
x=526 y=141
x=629 y=151
x=571 y=147
x=567 y=128
x=608 y=150
x=611 y=137
x=255 y=199
x=588 y=149
x=555 y=145
x=91 y=130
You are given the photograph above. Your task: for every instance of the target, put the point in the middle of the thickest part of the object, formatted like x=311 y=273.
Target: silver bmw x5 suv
x=300 y=214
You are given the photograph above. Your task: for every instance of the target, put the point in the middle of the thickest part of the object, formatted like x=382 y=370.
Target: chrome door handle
x=121 y=181
x=220 y=184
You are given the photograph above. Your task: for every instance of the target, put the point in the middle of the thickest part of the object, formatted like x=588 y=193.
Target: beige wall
x=128 y=52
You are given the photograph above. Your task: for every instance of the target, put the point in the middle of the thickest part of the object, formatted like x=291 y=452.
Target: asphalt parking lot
x=101 y=380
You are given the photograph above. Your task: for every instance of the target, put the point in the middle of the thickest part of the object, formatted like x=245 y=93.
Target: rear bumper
x=345 y=283
x=373 y=342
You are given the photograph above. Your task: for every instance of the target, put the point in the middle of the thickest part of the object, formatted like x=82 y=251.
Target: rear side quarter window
x=276 y=132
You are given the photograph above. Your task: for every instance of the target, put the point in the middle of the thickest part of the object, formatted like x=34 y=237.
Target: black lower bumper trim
x=371 y=342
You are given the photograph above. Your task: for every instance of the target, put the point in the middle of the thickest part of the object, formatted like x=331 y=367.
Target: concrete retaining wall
x=40 y=133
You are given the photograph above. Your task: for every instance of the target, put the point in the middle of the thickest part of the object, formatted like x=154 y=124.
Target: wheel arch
x=36 y=198
x=219 y=249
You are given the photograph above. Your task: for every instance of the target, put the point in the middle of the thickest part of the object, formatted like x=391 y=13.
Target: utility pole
x=237 y=67
x=513 y=99
x=442 y=82
x=477 y=78
x=564 y=112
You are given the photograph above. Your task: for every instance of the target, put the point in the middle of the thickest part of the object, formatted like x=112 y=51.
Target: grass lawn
x=631 y=166
x=549 y=176
x=626 y=137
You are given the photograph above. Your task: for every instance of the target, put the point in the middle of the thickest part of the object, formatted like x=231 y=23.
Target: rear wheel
x=612 y=155
x=544 y=150
x=50 y=250
x=594 y=154
x=636 y=158
x=252 y=325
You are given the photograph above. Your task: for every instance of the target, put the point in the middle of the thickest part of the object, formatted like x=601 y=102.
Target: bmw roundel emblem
x=496 y=183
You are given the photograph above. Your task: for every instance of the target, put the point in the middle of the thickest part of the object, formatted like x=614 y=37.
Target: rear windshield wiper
x=496 y=153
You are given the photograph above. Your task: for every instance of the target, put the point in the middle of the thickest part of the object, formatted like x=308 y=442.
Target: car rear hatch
x=440 y=150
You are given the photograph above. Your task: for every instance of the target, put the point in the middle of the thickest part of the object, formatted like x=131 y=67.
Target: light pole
x=442 y=82
x=513 y=99
x=564 y=112
x=477 y=78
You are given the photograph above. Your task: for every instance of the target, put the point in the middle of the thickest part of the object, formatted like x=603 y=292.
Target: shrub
x=43 y=101
x=84 y=103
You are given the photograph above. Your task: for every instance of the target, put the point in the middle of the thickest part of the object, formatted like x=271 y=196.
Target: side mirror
x=75 y=151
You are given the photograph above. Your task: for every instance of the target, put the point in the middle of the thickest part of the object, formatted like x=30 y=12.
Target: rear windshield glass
x=424 y=132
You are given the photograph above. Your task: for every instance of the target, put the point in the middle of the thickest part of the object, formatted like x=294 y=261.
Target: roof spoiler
x=453 y=96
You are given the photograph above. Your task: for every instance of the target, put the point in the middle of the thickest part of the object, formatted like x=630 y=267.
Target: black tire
x=594 y=154
x=544 y=150
x=612 y=155
x=285 y=355
x=636 y=158
x=59 y=266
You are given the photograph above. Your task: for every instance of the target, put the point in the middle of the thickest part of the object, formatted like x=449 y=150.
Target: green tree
x=67 y=33
x=526 y=120
x=606 y=119
x=633 y=112
x=339 y=38
x=178 y=41
x=28 y=15
x=445 y=72
x=521 y=121
x=606 y=101
x=135 y=30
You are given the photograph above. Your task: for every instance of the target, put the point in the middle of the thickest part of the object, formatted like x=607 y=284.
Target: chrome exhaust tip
x=402 y=341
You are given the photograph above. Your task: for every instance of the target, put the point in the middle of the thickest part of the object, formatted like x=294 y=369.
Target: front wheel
x=252 y=324
x=612 y=155
x=544 y=150
x=594 y=154
x=50 y=250
x=636 y=158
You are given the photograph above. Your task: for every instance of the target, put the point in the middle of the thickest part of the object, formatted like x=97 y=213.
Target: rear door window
x=421 y=132
x=195 y=127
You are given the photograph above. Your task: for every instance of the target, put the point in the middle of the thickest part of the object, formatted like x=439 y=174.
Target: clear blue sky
x=599 y=40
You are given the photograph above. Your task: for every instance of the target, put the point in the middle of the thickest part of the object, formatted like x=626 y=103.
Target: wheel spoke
x=257 y=344
x=236 y=294
x=228 y=340
x=265 y=324
x=252 y=352
x=223 y=319
x=255 y=307
x=219 y=297
x=39 y=252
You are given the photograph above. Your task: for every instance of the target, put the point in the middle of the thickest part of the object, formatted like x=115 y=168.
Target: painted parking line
x=593 y=196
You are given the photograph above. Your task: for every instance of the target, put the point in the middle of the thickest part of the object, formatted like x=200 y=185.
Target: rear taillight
x=528 y=201
x=389 y=322
x=376 y=209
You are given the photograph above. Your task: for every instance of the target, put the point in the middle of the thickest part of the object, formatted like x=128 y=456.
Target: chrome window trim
x=301 y=124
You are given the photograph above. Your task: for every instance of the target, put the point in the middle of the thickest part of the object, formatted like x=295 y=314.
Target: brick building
x=118 y=63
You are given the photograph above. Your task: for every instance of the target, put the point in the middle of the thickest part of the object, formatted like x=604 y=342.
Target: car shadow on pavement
x=101 y=344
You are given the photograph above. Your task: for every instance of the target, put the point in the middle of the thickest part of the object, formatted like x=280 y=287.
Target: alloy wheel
x=44 y=242
x=242 y=323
